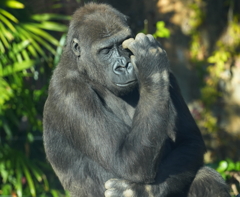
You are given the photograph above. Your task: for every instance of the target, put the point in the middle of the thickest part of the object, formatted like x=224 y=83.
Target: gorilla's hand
x=148 y=58
x=124 y=188
x=119 y=188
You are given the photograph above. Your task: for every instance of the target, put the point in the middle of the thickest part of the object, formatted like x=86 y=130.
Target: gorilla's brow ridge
x=106 y=33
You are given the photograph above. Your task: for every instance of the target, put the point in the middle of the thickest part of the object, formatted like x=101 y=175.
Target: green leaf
x=18 y=47
x=44 y=43
x=8 y=15
x=6 y=94
x=29 y=180
x=4 y=174
x=32 y=51
x=160 y=24
x=2 y=49
x=37 y=47
x=52 y=26
x=7 y=130
x=18 y=66
x=6 y=33
x=59 y=49
x=224 y=176
x=19 y=176
x=45 y=17
x=237 y=166
x=231 y=166
x=212 y=59
x=3 y=39
x=36 y=172
x=33 y=28
x=161 y=31
x=28 y=35
x=222 y=166
x=30 y=138
x=54 y=193
x=6 y=189
x=7 y=23
x=14 y=4
x=46 y=185
x=25 y=55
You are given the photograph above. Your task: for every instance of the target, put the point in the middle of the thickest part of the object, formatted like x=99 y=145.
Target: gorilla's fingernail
x=127 y=42
x=140 y=36
x=108 y=193
x=128 y=193
x=108 y=184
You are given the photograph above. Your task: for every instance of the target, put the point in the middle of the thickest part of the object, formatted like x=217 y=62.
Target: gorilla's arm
x=178 y=168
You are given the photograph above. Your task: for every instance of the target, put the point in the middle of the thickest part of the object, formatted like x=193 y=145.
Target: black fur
x=116 y=124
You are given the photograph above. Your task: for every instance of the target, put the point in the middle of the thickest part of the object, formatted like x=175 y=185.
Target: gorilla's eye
x=106 y=50
x=127 y=52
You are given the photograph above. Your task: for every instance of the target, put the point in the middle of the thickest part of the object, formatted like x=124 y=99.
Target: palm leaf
x=17 y=66
x=46 y=17
x=13 y=4
x=19 y=175
x=59 y=49
x=7 y=23
x=8 y=15
x=28 y=35
x=29 y=179
x=44 y=43
x=32 y=27
x=5 y=32
x=48 y=25
x=3 y=38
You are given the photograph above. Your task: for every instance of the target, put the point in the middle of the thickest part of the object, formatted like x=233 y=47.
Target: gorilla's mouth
x=125 y=84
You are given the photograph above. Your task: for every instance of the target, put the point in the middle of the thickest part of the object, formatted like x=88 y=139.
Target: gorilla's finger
x=117 y=183
x=140 y=36
x=110 y=183
x=131 y=44
x=127 y=42
x=150 y=37
x=111 y=193
x=129 y=193
x=133 y=61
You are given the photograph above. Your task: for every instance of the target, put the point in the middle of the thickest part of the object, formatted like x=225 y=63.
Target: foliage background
x=202 y=41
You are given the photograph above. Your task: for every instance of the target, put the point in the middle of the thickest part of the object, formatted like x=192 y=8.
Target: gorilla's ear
x=76 y=47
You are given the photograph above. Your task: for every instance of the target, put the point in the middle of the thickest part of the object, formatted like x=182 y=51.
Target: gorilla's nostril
x=129 y=67
x=120 y=67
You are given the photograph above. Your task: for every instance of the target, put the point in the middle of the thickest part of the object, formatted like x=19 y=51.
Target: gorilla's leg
x=208 y=183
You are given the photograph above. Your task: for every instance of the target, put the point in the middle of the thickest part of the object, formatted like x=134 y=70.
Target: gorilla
x=115 y=123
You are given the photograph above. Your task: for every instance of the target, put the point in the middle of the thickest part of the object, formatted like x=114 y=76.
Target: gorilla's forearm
x=188 y=141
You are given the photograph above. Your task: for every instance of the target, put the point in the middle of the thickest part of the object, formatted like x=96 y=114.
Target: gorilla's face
x=115 y=62
x=105 y=60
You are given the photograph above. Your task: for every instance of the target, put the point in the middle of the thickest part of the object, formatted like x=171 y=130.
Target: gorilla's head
x=95 y=41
